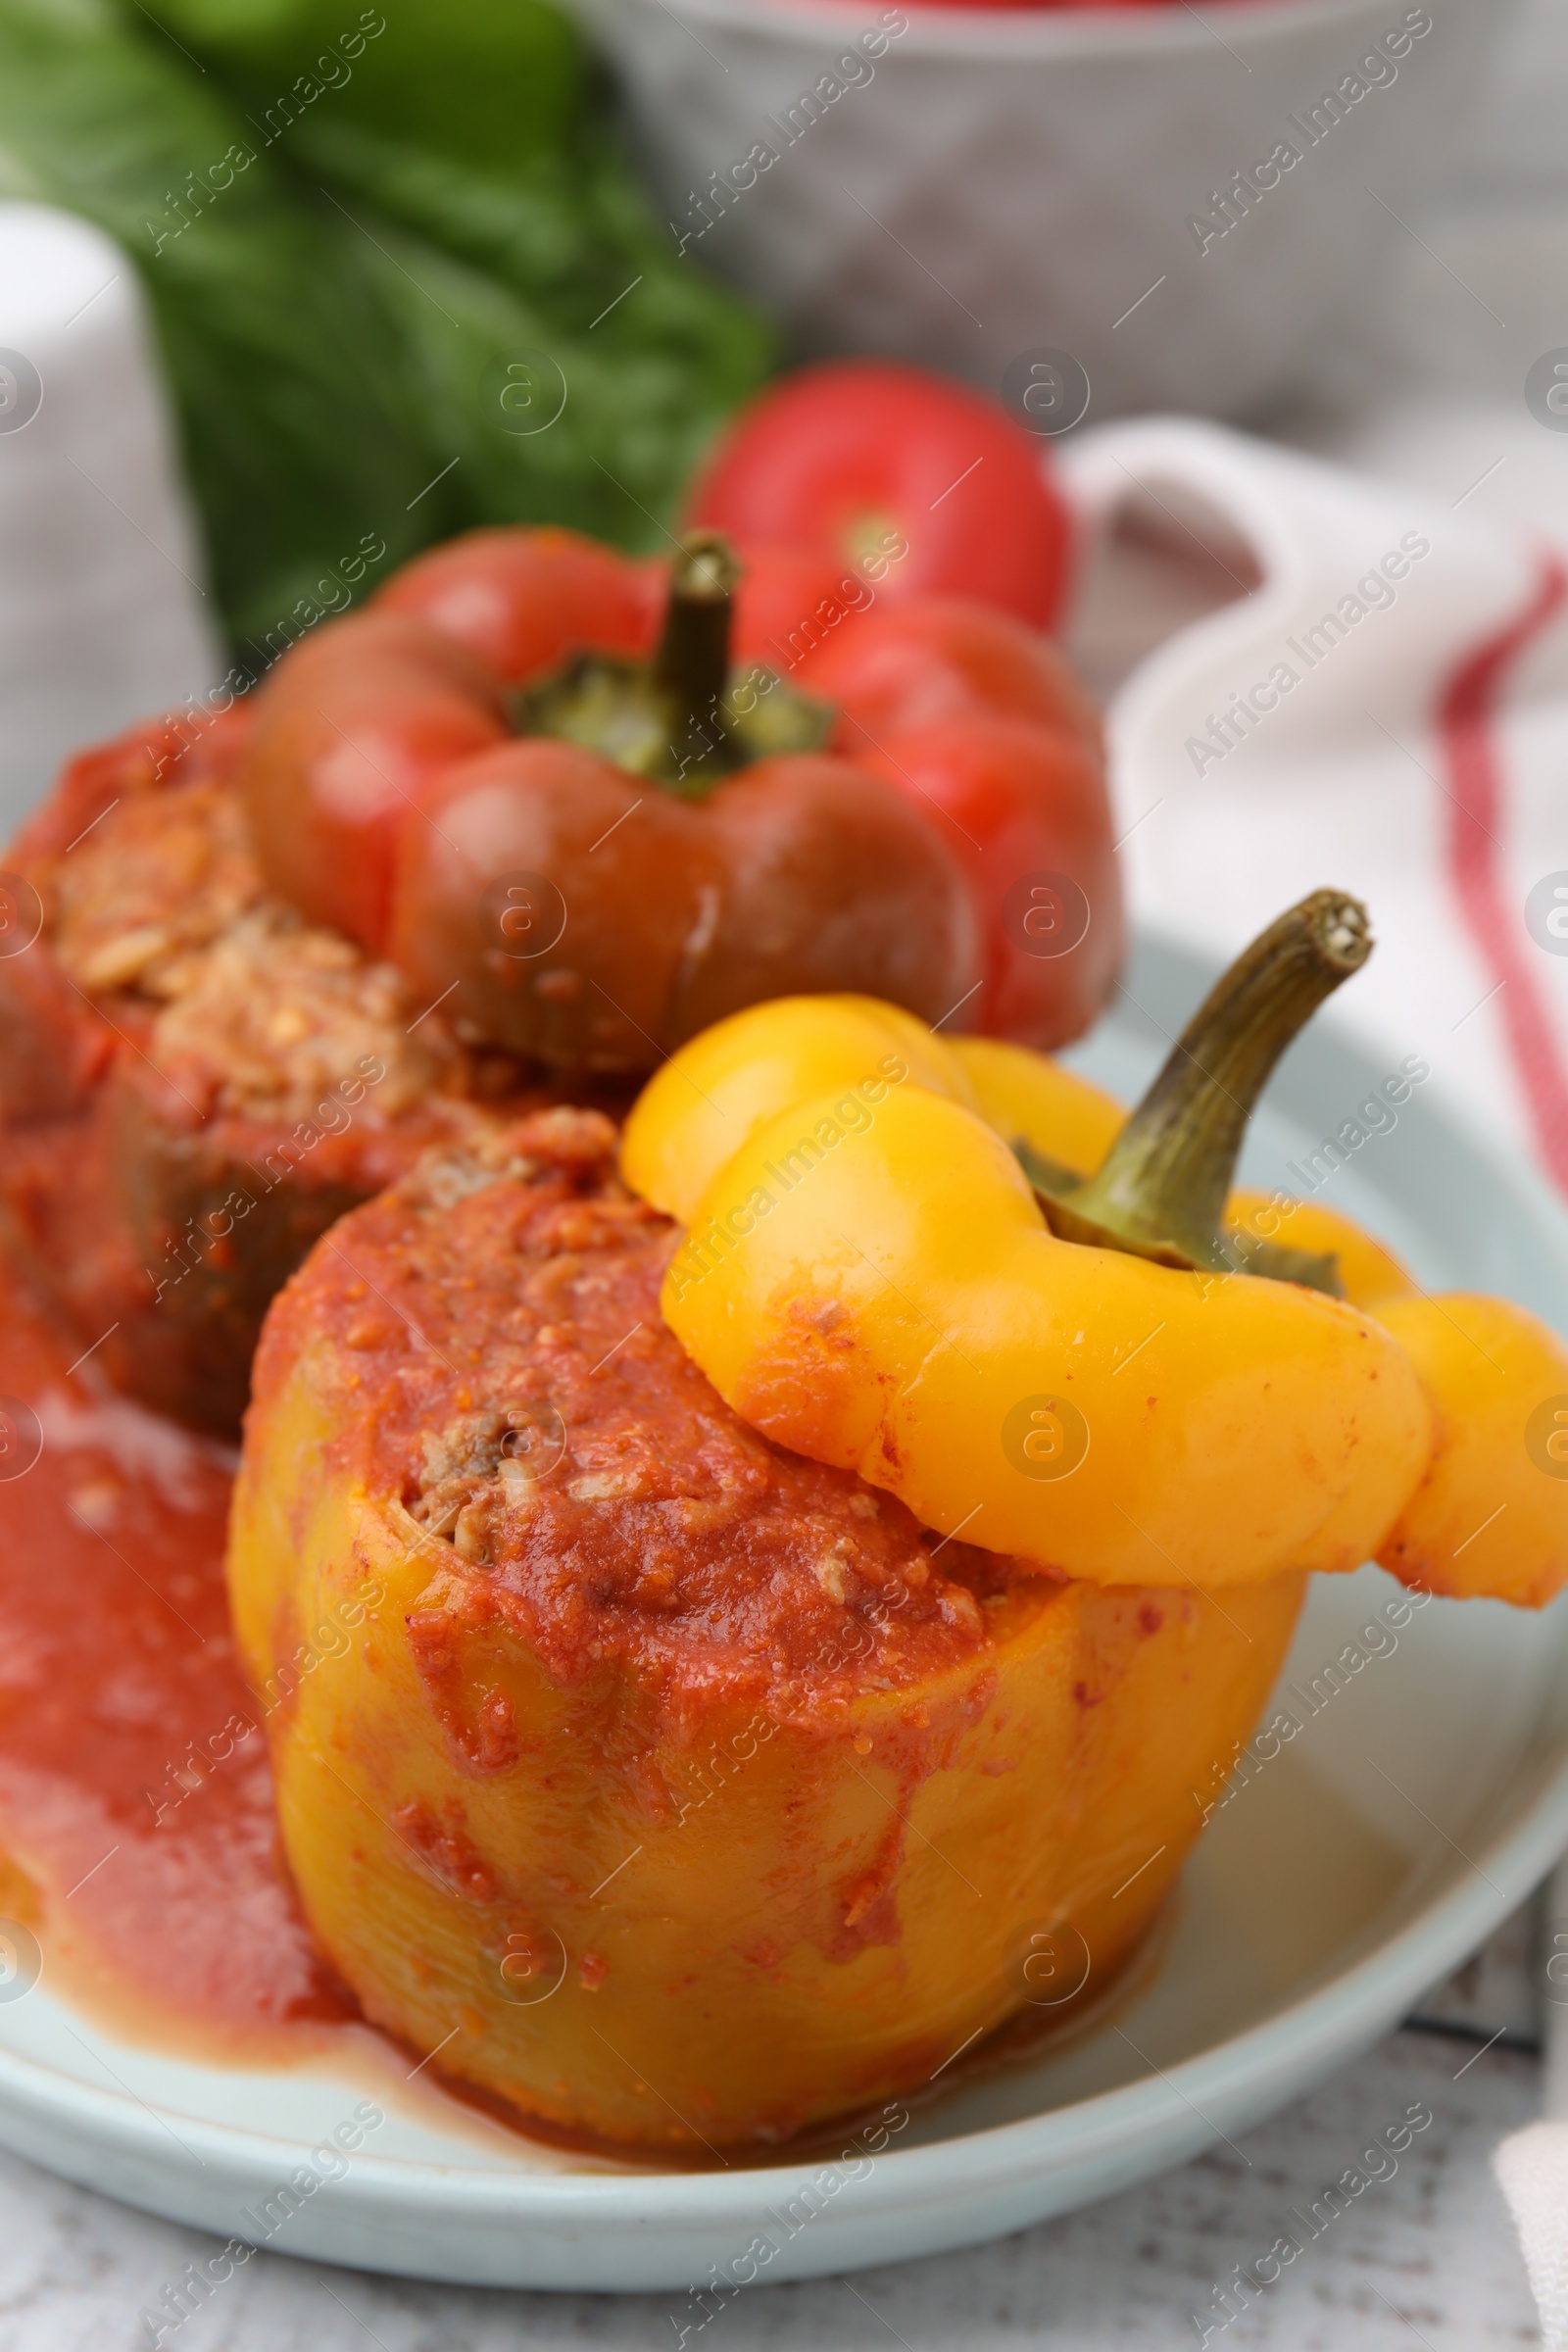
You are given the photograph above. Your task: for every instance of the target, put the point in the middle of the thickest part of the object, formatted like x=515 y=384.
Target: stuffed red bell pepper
x=534 y=776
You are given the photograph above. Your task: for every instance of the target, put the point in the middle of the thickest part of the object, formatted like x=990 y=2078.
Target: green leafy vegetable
x=402 y=277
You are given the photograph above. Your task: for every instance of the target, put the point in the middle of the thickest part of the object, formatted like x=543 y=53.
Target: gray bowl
x=990 y=184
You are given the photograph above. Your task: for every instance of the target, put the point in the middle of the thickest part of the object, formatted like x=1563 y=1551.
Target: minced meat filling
x=278 y=1014
x=521 y=1397
x=159 y=875
x=248 y=1010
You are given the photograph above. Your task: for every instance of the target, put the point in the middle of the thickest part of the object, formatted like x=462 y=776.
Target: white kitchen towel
x=1383 y=707
x=1532 y=2165
x=103 y=612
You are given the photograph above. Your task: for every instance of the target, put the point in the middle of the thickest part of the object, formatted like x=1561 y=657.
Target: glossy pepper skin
x=491 y=1840
x=957 y=706
x=669 y=915
x=592 y=891
x=901 y=1307
x=869 y=1276
x=1484 y=1509
x=1488 y=1519
x=352 y=732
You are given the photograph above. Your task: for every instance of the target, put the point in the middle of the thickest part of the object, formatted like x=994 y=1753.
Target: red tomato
x=927 y=488
x=1042 y=4
x=1025 y=813
x=1057 y=5
x=523 y=600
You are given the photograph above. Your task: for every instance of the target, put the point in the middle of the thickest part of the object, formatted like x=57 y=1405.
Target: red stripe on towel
x=1467 y=732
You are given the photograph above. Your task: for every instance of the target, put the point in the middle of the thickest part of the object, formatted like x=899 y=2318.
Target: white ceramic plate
x=1417 y=1807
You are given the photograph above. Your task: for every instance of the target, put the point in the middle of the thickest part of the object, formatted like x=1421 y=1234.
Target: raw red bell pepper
x=523 y=601
x=355 y=727
x=593 y=833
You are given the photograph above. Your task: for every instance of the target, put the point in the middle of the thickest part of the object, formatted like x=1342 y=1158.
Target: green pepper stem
x=1160 y=1190
x=692 y=664
x=674 y=718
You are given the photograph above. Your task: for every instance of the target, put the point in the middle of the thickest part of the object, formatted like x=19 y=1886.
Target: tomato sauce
x=135 y=1796
x=135 y=1788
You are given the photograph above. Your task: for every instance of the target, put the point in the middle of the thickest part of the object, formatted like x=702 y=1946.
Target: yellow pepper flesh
x=1029 y=1098
x=707 y=1099
x=1490 y=1516
x=888 y=1297
x=1484 y=1365
x=1369 y=1272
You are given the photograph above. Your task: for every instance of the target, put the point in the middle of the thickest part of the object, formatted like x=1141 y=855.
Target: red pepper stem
x=692 y=664
x=1162 y=1188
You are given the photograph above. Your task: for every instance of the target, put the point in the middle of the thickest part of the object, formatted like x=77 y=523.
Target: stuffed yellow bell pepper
x=675 y=1789
x=894 y=1262
x=683 y=1787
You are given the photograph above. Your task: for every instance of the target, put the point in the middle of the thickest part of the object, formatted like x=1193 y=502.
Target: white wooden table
x=1426 y=2257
